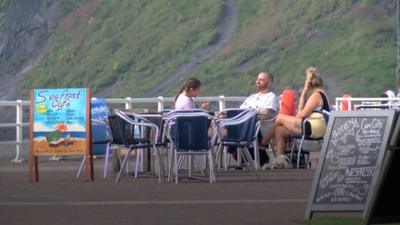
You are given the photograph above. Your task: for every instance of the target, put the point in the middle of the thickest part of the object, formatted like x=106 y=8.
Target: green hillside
x=125 y=48
x=351 y=42
x=128 y=44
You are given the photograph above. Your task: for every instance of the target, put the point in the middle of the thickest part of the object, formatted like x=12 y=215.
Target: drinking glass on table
x=263 y=114
x=204 y=105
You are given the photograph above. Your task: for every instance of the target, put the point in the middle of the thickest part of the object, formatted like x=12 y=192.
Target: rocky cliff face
x=26 y=27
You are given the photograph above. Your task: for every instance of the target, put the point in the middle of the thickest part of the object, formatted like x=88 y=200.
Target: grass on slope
x=3 y=4
x=133 y=45
x=128 y=44
x=352 y=43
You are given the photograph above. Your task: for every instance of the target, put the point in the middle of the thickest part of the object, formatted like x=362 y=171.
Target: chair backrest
x=234 y=132
x=243 y=132
x=191 y=133
x=101 y=132
x=122 y=131
x=326 y=115
x=138 y=129
x=130 y=132
x=116 y=130
x=156 y=119
x=174 y=112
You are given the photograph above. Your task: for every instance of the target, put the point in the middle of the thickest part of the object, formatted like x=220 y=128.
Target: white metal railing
x=344 y=103
x=128 y=102
x=19 y=124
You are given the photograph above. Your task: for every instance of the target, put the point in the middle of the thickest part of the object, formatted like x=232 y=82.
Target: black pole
x=398 y=41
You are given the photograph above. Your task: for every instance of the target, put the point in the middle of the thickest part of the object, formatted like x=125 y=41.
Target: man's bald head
x=264 y=81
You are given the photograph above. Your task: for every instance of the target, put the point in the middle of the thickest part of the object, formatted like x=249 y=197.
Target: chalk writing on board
x=350 y=160
x=344 y=130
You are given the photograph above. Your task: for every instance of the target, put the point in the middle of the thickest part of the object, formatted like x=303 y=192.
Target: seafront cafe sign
x=59 y=126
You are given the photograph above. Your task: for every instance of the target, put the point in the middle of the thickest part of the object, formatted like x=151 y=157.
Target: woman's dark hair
x=191 y=83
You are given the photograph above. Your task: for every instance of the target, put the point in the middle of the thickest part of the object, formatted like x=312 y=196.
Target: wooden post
x=33 y=161
x=89 y=175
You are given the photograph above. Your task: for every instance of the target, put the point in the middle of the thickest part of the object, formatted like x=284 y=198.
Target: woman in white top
x=190 y=90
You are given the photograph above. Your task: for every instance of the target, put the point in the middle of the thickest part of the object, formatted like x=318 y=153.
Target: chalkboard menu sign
x=352 y=153
x=59 y=124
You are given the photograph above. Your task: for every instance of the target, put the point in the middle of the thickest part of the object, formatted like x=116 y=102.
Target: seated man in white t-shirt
x=266 y=102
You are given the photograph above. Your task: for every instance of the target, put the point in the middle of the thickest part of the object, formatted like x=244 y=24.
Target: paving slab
x=279 y=197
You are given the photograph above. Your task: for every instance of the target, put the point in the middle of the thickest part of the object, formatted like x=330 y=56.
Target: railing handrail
x=128 y=101
x=368 y=99
x=171 y=99
x=390 y=102
x=14 y=103
x=160 y=101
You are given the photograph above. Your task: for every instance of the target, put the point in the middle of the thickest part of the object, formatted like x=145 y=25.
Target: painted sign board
x=60 y=123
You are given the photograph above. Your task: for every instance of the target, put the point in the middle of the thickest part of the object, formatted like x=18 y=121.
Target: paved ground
x=237 y=198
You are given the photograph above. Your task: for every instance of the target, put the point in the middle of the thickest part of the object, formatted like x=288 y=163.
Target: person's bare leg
x=290 y=122
x=270 y=134
x=281 y=134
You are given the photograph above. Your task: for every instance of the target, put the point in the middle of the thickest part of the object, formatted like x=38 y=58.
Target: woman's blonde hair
x=312 y=70
x=315 y=80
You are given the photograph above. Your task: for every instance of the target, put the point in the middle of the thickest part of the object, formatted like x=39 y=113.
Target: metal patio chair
x=187 y=133
x=124 y=130
x=297 y=153
x=242 y=131
x=101 y=132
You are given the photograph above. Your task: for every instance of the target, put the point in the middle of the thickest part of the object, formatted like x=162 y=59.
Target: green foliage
x=3 y=4
x=131 y=44
x=53 y=136
x=352 y=43
x=124 y=48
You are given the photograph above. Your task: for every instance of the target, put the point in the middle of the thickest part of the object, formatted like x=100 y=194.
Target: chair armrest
x=237 y=117
x=142 y=118
x=258 y=126
x=150 y=125
x=237 y=120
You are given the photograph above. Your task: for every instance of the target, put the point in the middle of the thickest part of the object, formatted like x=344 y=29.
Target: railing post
x=128 y=103
x=18 y=135
x=222 y=104
x=160 y=103
x=337 y=107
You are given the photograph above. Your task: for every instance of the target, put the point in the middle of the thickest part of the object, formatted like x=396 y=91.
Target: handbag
x=314 y=126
